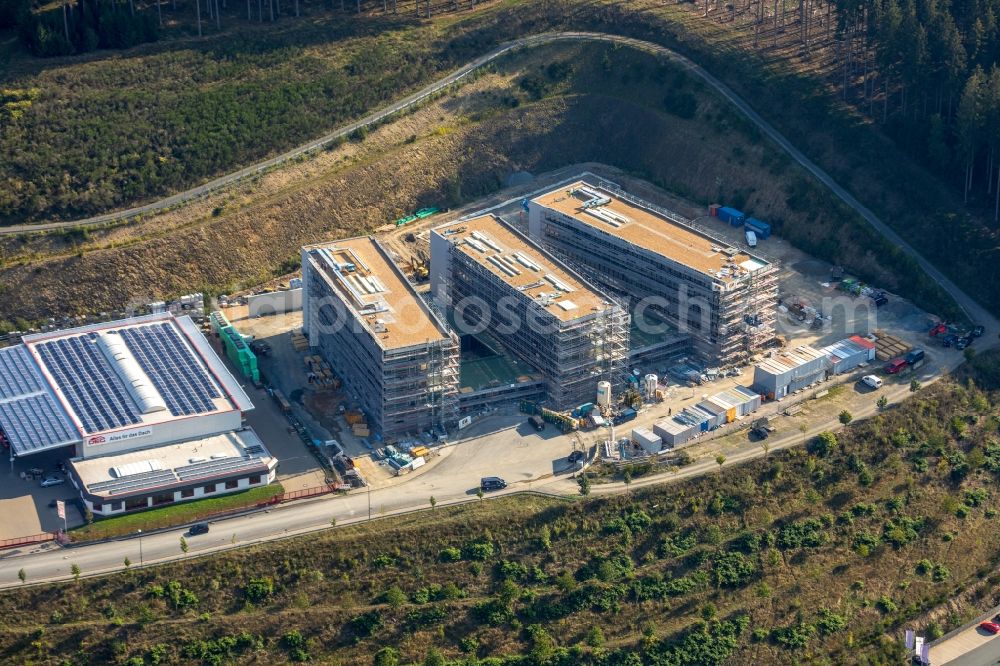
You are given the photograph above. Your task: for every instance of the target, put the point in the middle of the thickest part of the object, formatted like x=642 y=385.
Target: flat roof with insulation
x=379 y=295
x=526 y=268
x=649 y=230
x=188 y=463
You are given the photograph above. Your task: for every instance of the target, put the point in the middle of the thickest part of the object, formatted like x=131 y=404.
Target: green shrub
x=886 y=605
x=259 y=590
x=830 y=622
x=450 y=555
x=366 y=624
x=479 y=551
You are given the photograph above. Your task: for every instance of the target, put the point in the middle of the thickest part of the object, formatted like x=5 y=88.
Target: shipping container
x=647 y=439
x=713 y=210
x=625 y=415
x=761 y=228
x=731 y=215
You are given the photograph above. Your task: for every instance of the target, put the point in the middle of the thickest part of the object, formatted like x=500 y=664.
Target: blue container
x=626 y=415
x=731 y=215
x=762 y=229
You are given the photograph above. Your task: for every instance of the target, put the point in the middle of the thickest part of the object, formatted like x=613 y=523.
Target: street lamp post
x=369 y=501
x=140 y=547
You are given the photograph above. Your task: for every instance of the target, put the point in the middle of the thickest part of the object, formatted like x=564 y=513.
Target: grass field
x=540 y=110
x=175 y=514
x=816 y=555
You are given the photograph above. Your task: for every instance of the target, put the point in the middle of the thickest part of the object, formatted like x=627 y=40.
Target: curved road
x=971 y=308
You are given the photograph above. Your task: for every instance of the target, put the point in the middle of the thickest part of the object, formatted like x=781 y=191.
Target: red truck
x=896 y=366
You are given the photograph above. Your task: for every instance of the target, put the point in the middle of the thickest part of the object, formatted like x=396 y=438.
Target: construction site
x=494 y=280
x=720 y=296
x=567 y=302
x=395 y=356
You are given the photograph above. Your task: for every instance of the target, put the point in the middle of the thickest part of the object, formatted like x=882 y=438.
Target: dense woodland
x=818 y=555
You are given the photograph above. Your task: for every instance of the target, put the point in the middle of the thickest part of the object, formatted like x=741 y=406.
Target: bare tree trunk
x=359 y=6
x=65 y=21
x=270 y=8
x=296 y=8
x=996 y=205
x=131 y=7
x=198 y=11
x=218 y=16
x=159 y=13
x=248 y=11
x=260 y=11
x=278 y=7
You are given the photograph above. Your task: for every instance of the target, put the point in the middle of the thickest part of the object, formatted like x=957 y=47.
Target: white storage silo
x=649 y=386
x=603 y=394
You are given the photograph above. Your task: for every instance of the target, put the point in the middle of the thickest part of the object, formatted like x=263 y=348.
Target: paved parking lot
x=24 y=505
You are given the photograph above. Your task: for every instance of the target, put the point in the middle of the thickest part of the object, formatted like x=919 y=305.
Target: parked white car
x=52 y=481
x=872 y=381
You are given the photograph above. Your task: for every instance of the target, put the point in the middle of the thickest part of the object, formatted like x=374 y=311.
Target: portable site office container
x=729 y=403
x=849 y=353
x=751 y=399
x=717 y=412
x=761 y=228
x=647 y=439
x=731 y=215
x=674 y=432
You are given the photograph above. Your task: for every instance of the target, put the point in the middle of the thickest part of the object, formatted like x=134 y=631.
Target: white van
x=751 y=238
x=872 y=381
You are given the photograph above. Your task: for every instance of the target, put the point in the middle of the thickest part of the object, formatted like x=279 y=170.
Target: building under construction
x=496 y=281
x=396 y=357
x=722 y=296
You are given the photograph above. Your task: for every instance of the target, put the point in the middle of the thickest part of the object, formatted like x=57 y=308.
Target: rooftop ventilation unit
x=526 y=262
x=485 y=239
x=559 y=284
x=476 y=244
x=503 y=267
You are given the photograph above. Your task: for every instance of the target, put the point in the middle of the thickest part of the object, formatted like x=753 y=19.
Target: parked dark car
x=537 y=422
x=575 y=457
x=977 y=332
x=949 y=340
x=198 y=528
x=915 y=356
x=488 y=483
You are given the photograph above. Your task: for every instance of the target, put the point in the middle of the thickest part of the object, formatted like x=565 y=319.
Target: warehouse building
x=788 y=371
x=396 y=356
x=849 y=354
x=206 y=467
x=494 y=280
x=719 y=295
x=139 y=387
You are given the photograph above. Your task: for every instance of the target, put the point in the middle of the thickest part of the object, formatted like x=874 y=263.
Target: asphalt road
x=987 y=654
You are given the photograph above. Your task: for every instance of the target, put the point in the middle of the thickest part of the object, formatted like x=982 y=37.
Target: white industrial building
x=788 y=371
x=143 y=386
x=848 y=354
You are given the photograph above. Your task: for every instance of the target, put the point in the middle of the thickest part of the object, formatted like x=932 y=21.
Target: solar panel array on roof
x=90 y=385
x=36 y=422
x=175 y=371
x=134 y=482
x=18 y=374
x=216 y=467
